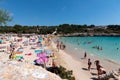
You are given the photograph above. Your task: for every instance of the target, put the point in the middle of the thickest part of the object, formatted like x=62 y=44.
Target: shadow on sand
x=93 y=68
x=93 y=78
x=84 y=69
x=94 y=74
x=82 y=58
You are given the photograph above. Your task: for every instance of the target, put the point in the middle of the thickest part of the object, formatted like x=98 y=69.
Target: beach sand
x=63 y=58
x=71 y=64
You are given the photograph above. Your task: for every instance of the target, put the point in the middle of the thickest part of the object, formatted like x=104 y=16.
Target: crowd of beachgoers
x=41 y=51
x=15 y=46
x=32 y=50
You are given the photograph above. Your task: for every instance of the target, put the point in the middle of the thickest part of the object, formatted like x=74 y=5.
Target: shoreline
x=108 y=65
x=104 y=61
x=89 y=53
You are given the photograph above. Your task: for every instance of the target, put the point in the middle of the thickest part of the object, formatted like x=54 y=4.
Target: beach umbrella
x=44 y=54
x=42 y=57
x=42 y=60
x=45 y=59
x=39 y=55
x=39 y=60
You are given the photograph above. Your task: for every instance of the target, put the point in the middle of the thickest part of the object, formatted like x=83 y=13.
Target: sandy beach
x=59 y=40
x=71 y=64
x=65 y=58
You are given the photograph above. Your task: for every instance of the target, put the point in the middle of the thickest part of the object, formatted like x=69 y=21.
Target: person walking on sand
x=12 y=53
x=89 y=64
x=98 y=67
x=85 y=55
x=97 y=62
x=58 y=45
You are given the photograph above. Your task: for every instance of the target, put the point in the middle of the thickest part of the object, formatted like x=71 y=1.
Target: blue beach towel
x=38 y=51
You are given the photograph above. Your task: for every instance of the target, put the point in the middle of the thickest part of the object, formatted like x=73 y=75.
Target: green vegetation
x=66 y=74
x=62 y=72
x=4 y=17
x=61 y=29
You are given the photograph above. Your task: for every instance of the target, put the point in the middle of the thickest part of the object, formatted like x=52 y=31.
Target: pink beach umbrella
x=42 y=57
x=39 y=61
x=42 y=60
x=44 y=54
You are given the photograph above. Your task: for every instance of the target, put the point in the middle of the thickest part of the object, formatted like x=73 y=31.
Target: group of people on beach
x=99 y=68
x=60 y=45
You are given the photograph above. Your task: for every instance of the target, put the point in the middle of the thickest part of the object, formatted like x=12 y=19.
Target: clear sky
x=55 y=12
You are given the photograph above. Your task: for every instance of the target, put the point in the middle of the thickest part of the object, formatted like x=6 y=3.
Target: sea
x=100 y=46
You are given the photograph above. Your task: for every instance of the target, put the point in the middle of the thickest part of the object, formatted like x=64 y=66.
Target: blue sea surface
x=104 y=47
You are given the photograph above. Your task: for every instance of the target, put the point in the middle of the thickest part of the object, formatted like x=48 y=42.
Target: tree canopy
x=4 y=17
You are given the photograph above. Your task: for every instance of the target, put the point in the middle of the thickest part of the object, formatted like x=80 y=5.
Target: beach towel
x=17 y=52
x=17 y=57
x=20 y=50
x=38 y=51
x=2 y=47
x=29 y=54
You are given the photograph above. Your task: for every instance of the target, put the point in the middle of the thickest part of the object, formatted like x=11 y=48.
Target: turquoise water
x=109 y=47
